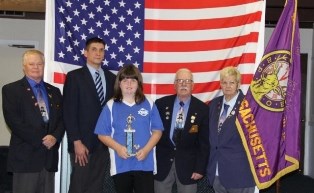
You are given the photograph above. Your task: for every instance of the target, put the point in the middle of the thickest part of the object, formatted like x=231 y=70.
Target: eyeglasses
x=186 y=81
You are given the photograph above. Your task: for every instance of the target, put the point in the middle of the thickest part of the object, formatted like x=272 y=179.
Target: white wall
x=16 y=31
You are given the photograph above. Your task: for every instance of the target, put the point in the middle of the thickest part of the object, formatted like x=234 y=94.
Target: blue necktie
x=99 y=88
x=223 y=117
x=41 y=103
x=179 y=124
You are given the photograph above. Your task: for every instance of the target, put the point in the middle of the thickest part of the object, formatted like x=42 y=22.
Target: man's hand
x=49 y=141
x=81 y=153
x=196 y=176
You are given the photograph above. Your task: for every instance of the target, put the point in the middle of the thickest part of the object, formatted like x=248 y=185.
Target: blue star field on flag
x=119 y=23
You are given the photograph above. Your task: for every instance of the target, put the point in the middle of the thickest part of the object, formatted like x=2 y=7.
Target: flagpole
x=278 y=186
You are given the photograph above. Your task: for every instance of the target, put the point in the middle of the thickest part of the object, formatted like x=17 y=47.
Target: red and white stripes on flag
x=204 y=36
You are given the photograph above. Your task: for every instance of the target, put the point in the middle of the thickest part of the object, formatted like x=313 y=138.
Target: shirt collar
x=33 y=83
x=177 y=101
x=233 y=101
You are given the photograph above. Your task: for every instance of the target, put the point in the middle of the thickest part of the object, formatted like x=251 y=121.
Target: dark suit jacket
x=82 y=108
x=227 y=149
x=22 y=115
x=191 y=153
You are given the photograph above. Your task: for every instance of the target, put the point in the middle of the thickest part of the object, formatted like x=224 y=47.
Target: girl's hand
x=122 y=152
x=141 y=154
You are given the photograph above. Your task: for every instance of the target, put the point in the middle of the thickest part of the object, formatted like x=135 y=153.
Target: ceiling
x=23 y=5
x=305 y=12
x=273 y=9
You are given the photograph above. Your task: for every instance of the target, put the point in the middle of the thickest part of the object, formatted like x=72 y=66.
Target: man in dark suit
x=32 y=111
x=182 y=151
x=228 y=168
x=82 y=107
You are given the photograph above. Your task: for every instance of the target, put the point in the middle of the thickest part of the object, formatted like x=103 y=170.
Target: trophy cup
x=129 y=133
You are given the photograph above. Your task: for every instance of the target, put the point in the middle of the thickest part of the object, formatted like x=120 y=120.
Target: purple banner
x=269 y=116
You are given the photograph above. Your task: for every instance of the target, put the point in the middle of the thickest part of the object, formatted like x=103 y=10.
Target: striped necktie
x=99 y=88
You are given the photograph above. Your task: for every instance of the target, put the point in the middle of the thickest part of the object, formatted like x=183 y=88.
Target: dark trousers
x=91 y=177
x=134 y=181
x=39 y=182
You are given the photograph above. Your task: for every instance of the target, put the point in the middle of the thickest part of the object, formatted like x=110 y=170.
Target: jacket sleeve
x=58 y=130
x=203 y=140
x=71 y=107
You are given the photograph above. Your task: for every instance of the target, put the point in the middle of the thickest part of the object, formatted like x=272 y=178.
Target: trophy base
x=132 y=154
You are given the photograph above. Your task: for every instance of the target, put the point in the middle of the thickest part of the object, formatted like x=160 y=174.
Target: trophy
x=129 y=133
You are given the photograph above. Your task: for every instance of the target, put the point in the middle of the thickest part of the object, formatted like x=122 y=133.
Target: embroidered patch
x=270 y=82
x=143 y=112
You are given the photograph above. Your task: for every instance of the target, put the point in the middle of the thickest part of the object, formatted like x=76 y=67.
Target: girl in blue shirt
x=132 y=167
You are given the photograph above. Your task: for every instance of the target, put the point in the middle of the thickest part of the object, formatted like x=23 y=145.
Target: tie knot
x=38 y=86
x=226 y=107
x=181 y=103
x=97 y=73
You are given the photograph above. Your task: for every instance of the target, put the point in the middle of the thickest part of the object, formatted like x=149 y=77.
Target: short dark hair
x=94 y=40
x=132 y=72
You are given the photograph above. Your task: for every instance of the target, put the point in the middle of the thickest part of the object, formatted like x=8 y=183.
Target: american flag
x=159 y=37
